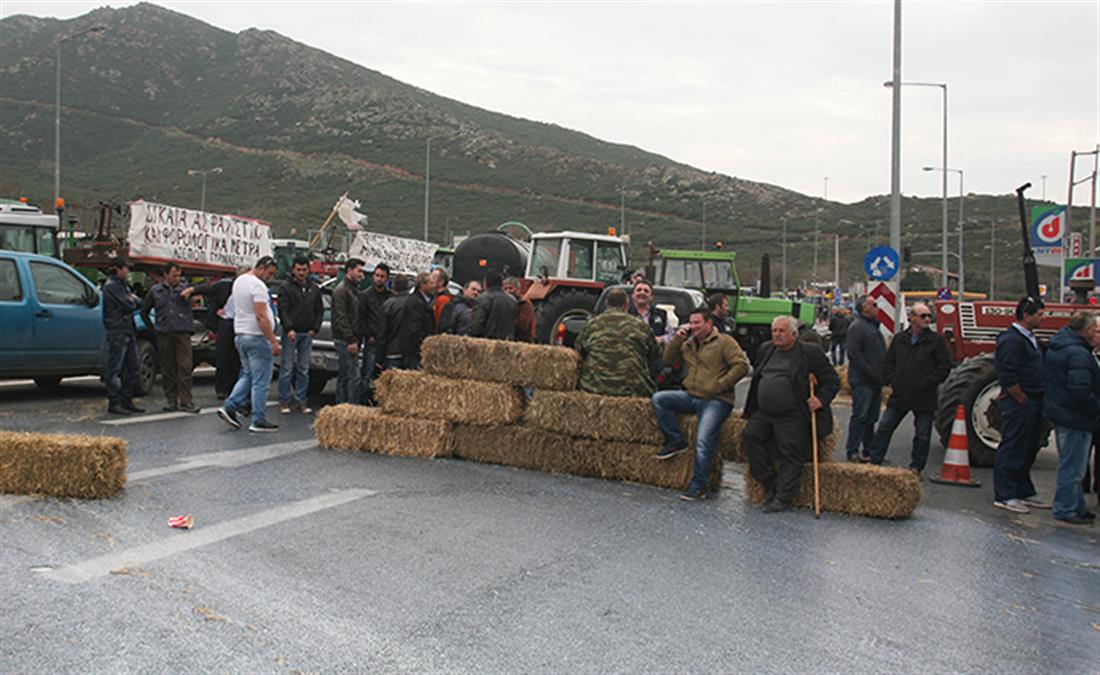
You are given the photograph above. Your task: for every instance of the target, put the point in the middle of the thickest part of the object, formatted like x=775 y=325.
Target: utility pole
x=895 y=145
x=836 y=261
x=784 y=257
x=622 y=209
x=703 y=239
x=992 y=249
x=427 y=185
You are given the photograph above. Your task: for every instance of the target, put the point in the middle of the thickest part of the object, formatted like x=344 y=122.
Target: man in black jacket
x=300 y=314
x=393 y=311
x=916 y=363
x=416 y=322
x=778 y=410
x=459 y=311
x=174 y=325
x=372 y=326
x=866 y=356
x=121 y=370
x=495 y=311
x=838 y=326
x=228 y=361
x=345 y=332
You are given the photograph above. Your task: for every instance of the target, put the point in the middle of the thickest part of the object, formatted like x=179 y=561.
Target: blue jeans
x=922 y=437
x=121 y=372
x=294 y=369
x=711 y=414
x=866 y=406
x=1073 y=446
x=257 y=361
x=838 y=352
x=366 y=373
x=347 y=374
x=1019 y=445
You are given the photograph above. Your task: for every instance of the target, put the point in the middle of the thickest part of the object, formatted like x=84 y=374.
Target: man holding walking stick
x=779 y=409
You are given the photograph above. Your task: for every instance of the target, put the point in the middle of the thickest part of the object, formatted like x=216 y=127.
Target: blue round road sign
x=881 y=263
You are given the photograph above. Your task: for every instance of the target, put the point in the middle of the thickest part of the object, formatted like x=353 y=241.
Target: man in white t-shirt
x=254 y=327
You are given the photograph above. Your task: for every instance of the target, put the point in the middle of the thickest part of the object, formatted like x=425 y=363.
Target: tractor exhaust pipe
x=766 y=276
x=1031 y=271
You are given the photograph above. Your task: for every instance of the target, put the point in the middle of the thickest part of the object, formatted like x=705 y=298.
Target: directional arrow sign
x=881 y=263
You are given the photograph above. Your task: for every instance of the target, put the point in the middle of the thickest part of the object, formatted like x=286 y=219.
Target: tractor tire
x=974 y=384
x=563 y=304
x=147 y=368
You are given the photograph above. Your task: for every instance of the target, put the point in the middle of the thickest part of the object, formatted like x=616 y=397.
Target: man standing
x=495 y=312
x=525 y=311
x=654 y=317
x=916 y=363
x=393 y=310
x=372 y=326
x=443 y=296
x=458 y=312
x=416 y=323
x=174 y=325
x=1019 y=363
x=300 y=314
x=228 y=362
x=254 y=325
x=713 y=363
x=617 y=351
x=778 y=410
x=866 y=356
x=345 y=332
x=121 y=370
x=719 y=305
x=1072 y=385
x=838 y=326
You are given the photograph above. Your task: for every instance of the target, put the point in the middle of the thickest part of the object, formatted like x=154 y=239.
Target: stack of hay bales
x=62 y=465
x=856 y=489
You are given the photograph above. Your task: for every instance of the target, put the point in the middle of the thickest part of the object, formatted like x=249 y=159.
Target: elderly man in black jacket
x=495 y=311
x=866 y=355
x=121 y=370
x=778 y=411
x=916 y=363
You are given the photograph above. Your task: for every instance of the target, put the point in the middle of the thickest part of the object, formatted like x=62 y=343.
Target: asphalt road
x=309 y=560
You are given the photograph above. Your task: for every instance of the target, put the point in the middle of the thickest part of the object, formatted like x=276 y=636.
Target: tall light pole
x=962 y=269
x=895 y=144
x=817 y=226
x=784 y=257
x=992 y=248
x=203 y=173
x=943 y=165
x=427 y=185
x=57 y=111
x=622 y=209
x=703 y=240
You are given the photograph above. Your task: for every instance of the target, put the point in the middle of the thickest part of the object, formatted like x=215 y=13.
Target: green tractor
x=716 y=272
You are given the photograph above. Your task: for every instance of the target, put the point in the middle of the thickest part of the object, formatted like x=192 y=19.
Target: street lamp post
x=427 y=185
x=784 y=257
x=943 y=88
x=962 y=272
x=57 y=111
x=203 y=173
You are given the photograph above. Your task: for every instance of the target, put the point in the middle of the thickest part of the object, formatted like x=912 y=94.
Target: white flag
x=346 y=209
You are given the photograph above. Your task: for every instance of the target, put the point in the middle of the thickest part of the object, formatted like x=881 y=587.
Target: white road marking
x=11 y=501
x=8 y=384
x=77 y=573
x=123 y=421
x=225 y=459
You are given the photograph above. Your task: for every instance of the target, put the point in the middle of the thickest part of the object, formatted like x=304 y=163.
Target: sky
x=788 y=93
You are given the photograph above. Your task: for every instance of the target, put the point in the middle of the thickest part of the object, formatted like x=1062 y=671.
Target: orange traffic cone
x=956 y=461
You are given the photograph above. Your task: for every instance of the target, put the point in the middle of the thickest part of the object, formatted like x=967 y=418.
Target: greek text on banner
x=190 y=236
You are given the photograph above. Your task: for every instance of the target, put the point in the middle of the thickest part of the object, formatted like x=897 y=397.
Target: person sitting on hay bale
x=778 y=411
x=617 y=351
x=713 y=364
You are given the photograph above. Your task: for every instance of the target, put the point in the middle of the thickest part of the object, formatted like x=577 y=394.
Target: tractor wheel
x=974 y=384
x=565 y=303
x=147 y=368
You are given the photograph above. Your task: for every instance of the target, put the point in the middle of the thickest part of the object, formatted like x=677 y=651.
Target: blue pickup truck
x=51 y=323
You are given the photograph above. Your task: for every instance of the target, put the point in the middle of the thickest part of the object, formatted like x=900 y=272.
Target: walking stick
x=813 y=435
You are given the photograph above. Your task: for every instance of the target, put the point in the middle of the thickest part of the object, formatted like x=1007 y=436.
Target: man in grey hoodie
x=866 y=357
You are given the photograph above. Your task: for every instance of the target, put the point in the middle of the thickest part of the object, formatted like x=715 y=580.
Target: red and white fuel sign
x=1049 y=229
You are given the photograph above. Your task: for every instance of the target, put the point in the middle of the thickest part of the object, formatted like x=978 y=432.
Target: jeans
x=294 y=369
x=922 y=436
x=1069 y=496
x=257 y=361
x=838 y=352
x=866 y=406
x=711 y=413
x=366 y=373
x=121 y=372
x=347 y=374
x=1019 y=445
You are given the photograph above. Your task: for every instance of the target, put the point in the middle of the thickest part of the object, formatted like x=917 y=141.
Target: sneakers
x=668 y=451
x=171 y=407
x=284 y=408
x=1088 y=515
x=118 y=410
x=1013 y=505
x=1034 y=502
x=263 y=426
x=775 y=506
x=305 y=409
x=1076 y=520
x=692 y=494
x=229 y=417
x=133 y=408
x=861 y=458
x=189 y=408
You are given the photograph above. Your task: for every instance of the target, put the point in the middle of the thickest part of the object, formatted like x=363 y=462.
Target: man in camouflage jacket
x=617 y=352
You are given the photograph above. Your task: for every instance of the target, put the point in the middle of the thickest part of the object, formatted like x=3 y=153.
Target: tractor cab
x=578 y=257
x=707 y=271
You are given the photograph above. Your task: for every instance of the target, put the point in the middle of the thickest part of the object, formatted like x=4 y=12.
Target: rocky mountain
x=158 y=92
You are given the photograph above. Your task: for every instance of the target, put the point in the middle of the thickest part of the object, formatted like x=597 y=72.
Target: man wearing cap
x=121 y=370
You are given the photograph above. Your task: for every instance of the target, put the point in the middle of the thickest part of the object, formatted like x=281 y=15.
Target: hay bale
x=62 y=465
x=517 y=363
x=635 y=463
x=610 y=418
x=353 y=427
x=856 y=489
x=842 y=372
x=415 y=394
x=523 y=447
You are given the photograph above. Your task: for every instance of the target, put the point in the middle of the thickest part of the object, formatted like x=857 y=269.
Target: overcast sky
x=781 y=92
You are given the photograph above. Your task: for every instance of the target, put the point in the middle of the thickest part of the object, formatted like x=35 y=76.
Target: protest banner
x=404 y=256
x=196 y=238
